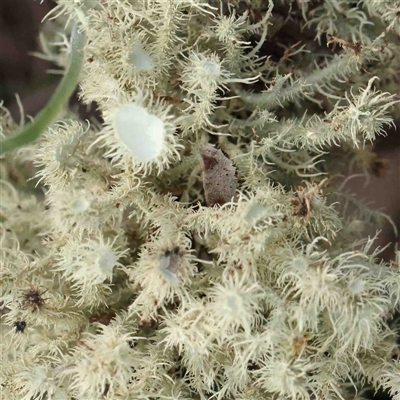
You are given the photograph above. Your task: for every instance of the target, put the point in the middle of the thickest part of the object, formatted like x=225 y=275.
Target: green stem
x=32 y=130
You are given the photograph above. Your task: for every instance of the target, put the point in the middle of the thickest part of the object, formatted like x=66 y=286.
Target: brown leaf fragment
x=104 y=319
x=219 y=176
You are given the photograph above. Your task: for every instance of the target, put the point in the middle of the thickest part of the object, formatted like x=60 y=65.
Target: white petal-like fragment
x=80 y=205
x=300 y=264
x=140 y=59
x=141 y=132
x=357 y=286
x=169 y=264
x=107 y=261
x=254 y=213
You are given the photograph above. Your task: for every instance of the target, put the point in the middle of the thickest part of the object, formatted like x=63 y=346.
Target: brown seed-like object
x=219 y=176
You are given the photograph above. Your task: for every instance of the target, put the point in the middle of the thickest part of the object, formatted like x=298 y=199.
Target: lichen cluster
x=192 y=240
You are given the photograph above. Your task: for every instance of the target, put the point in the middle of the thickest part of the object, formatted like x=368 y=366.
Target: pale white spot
x=212 y=70
x=141 y=132
x=357 y=287
x=63 y=155
x=58 y=154
x=164 y=262
x=106 y=262
x=80 y=205
x=72 y=162
x=232 y=303
x=140 y=59
x=300 y=264
x=168 y=266
x=171 y=277
x=254 y=213
x=311 y=135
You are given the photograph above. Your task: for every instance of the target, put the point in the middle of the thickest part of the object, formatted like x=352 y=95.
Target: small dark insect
x=106 y=390
x=20 y=326
x=174 y=251
x=148 y=322
x=300 y=206
x=33 y=299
